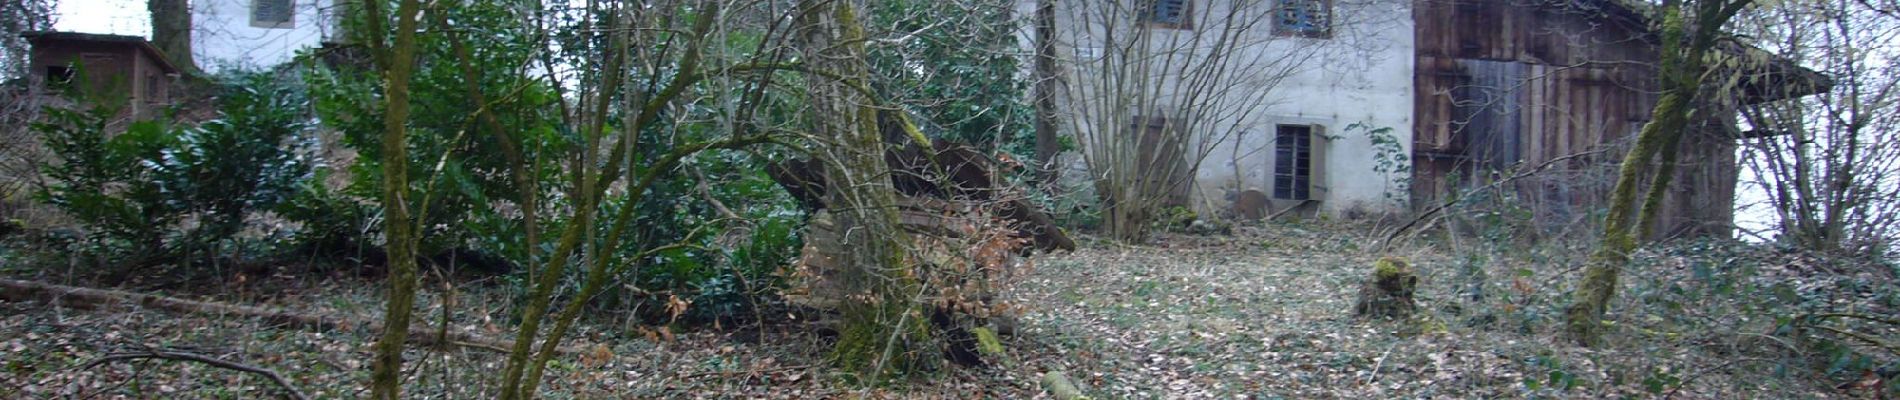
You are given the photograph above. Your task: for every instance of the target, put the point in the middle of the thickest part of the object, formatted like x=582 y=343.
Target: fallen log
x=89 y=298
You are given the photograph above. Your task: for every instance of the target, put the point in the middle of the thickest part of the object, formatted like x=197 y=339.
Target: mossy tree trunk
x=171 y=31
x=883 y=321
x=522 y=375
x=396 y=60
x=1688 y=32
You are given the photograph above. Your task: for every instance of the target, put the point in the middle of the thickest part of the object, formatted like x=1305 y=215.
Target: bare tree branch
x=289 y=389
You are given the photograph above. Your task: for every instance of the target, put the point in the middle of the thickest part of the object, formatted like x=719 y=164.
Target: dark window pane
x=1292 y=161
x=1167 y=12
x=271 y=13
x=59 y=76
x=1309 y=18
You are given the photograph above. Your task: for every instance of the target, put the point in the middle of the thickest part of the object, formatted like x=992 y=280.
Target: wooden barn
x=1507 y=85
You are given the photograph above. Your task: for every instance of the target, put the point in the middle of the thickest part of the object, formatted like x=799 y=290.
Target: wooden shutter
x=1317 y=186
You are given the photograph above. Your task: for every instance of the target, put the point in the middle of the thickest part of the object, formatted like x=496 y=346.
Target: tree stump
x=1388 y=294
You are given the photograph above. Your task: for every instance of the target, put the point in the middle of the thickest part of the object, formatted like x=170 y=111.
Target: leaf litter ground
x=1264 y=314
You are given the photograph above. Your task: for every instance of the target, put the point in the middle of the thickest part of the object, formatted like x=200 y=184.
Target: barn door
x=1491 y=106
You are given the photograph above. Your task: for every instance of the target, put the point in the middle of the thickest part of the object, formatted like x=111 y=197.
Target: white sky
x=118 y=17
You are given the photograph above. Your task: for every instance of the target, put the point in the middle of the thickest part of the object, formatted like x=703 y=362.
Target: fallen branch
x=203 y=359
x=1455 y=199
x=749 y=372
x=1869 y=340
x=1704 y=371
x=89 y=298
x=1289 y=209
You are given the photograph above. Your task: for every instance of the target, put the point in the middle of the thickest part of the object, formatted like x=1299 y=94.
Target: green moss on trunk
x=1684 y=47
x=884 y=331
x=1388 y=294
x=879 y=341
x=397 y=63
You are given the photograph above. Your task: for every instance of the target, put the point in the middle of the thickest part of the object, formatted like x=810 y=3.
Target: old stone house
x=1387 y=105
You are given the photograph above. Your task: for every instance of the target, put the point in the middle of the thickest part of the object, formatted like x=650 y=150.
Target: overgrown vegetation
x=158 y=193
x=523 y=200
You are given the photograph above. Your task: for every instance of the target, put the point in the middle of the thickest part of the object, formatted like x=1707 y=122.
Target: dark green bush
x=153 y=192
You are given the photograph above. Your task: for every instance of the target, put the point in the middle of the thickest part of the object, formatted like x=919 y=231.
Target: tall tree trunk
x=1592 y=297
x=397 y=62
x=1685 y=43
x=17 y=17
x=171 y=31
x=1048 y=139
x=882 y=319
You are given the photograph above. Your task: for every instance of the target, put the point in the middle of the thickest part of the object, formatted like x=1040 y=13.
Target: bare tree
x=1047 y=87
x=19 y=148
x=606 y=163
x=1828 y=166
x=17 y=17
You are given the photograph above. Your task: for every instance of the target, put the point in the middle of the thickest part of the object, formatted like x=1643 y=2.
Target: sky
x=119 y=17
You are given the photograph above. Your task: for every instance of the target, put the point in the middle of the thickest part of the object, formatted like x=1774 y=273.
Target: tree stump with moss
x=1388 y=294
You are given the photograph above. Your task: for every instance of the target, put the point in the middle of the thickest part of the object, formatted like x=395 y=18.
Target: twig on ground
x=202 y=359
x=1277 y=215
x=1375 y=366
x=1699 y=373
x=89 y=298
x=749 y=372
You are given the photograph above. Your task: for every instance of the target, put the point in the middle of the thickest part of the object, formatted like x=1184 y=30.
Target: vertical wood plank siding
x=1503 y=83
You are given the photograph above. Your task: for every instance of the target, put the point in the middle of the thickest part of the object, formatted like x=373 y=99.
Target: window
x=1298 y=158
x=154 y=89
x=59 y=76
x=1168 y=13
x=1304 y=18
x=272 y=14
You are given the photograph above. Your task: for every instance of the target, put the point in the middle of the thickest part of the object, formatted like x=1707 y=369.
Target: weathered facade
x=1475 y=91
x=1505 y=86
x=1286 y=119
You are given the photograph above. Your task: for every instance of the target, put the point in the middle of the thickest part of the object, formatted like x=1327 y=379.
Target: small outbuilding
x=107 y=65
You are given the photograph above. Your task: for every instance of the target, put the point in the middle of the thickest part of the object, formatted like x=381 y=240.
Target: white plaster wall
x=1361 y=75
x=223 y=37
